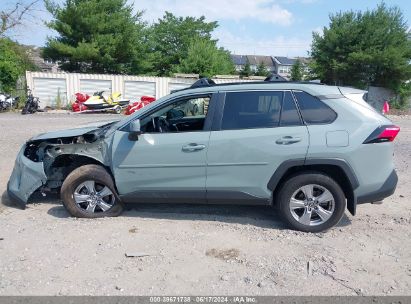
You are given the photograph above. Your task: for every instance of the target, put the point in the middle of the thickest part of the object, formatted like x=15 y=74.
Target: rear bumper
x=387 y=189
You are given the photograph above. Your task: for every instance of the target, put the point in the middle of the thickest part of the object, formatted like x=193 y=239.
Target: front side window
x=184 y=115
x=249 y=110
x=313 y=110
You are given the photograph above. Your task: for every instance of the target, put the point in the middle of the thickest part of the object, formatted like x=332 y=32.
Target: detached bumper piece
x=27 y=177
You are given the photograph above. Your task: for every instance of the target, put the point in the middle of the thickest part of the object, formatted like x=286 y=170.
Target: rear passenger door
x=255 y=132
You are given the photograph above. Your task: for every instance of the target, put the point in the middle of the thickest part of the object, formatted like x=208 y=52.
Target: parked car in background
x=308 y=150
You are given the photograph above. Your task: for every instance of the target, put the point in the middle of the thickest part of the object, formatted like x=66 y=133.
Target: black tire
x=89 y=173
x=294 y=183
x=25 y=110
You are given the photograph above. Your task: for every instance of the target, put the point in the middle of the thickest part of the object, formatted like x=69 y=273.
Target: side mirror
x=135 y=130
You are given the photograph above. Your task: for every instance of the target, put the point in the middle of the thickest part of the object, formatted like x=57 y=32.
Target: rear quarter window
x=313 y=110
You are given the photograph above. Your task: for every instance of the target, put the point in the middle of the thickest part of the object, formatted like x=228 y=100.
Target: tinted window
x=185 y=115
x=313 y=110
x=289 y=113
x=248 y=110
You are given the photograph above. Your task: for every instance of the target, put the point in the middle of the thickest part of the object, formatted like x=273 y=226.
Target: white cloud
x=319 y=30
x=262 y=10
x=278 y=46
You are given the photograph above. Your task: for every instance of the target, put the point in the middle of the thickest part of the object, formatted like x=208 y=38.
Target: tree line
x=108 y=36
x=357 y=48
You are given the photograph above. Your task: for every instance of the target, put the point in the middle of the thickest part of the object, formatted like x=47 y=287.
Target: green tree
x=170 y=39
x=206 y=59
x=246 y=71
x=362 y=48
x=13 y=63
x=96 y=36
x=297 y=71
x=262 y=70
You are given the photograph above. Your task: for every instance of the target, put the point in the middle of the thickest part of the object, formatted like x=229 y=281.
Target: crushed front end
x=27 y=177
x=45 y=161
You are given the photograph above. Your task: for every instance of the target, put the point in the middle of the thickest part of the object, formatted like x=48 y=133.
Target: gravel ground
x=191 y=250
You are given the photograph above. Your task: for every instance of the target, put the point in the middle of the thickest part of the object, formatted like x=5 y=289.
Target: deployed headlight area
x=37 y=149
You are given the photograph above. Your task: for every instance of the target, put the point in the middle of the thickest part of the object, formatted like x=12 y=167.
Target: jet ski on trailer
x=101 y=102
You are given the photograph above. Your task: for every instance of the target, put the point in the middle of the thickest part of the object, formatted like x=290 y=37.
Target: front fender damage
x=44 y=164
x=27 y=177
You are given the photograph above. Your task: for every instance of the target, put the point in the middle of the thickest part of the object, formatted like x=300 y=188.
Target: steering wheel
x=160 y=124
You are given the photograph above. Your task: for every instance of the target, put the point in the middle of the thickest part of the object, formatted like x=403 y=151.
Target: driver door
x=168 y=161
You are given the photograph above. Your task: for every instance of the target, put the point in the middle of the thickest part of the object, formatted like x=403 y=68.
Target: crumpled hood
x=72 y=132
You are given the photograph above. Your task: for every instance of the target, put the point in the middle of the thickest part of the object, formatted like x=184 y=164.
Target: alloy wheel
x=312 y=205
x=93 y=197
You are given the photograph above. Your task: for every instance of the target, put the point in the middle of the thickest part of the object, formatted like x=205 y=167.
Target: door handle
x=193 y=147
x=287 y=140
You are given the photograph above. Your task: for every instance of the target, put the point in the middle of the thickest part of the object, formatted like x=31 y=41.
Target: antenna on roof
x=275 y=77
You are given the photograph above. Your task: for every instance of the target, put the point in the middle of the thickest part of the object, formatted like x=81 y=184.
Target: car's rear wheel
x=311 y=202
x=89 y=192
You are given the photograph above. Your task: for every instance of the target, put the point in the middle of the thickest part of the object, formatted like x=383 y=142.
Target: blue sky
x=260 y=27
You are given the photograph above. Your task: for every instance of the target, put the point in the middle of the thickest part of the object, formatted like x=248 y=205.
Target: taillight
x=383 y=134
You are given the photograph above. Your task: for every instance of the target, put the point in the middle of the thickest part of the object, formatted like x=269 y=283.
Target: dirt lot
x=206 y=250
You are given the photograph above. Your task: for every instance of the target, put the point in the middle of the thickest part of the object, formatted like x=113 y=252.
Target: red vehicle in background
x=145 y=100
x=78 y=105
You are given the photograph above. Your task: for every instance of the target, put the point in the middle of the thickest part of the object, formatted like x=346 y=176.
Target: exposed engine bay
x=47 y=159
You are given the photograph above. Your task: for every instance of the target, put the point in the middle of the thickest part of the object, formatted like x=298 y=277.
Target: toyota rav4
x=308 y=150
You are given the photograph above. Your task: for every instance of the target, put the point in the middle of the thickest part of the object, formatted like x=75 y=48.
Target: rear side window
x=313 y=110
x=249 y=110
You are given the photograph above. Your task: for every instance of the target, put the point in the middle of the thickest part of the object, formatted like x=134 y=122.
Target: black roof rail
x=275 y=77
x=203 y=82
x=207 y=82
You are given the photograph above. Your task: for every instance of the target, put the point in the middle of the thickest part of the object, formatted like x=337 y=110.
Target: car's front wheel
x=89 y=192
x=311 y=202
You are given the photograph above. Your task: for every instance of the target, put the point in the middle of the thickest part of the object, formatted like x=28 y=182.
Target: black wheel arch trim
x=288 y=164
x=281 y=170
x=341 y=163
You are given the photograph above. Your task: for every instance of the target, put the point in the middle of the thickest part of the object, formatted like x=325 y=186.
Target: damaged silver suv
x=308 y=150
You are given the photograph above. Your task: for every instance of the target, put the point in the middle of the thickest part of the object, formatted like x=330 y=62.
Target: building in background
x=44 y=65
x=254 y=61
x=275 y=64
x=239 y=62
x=283 y=65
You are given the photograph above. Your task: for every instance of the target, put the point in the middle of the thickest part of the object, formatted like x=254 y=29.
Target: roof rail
x=275 y=77
x=203 y=82
x=207 y=82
